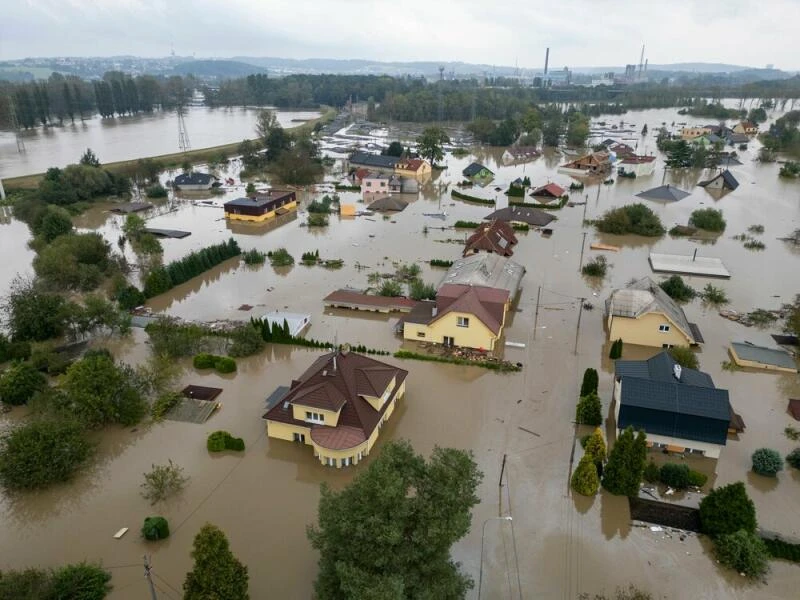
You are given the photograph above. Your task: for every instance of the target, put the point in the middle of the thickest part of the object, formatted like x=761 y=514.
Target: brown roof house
x=338 y=406
x=495 y=236
x=591 y=164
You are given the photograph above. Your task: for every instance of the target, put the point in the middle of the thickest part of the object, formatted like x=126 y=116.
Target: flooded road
x=563 y=545
x=125 y=138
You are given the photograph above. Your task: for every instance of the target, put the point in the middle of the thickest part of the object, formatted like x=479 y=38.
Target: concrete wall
x=643 y=331
x=477 y=335
x=757 y=365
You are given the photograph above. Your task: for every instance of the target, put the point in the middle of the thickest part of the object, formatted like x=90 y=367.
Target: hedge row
x=784 y=550
x=280 y=334
x=459 y=196
x=549 y=206
x=222 y=364
x=503 y=367
x=438 y=262
x=162 y=279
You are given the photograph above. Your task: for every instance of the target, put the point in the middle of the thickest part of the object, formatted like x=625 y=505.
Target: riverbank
x=172 y=160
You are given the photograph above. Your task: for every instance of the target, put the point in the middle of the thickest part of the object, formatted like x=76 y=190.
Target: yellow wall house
x=261 y=207
x=412 y=167
x=338 y=406
x=644 y=314
x=462 y=315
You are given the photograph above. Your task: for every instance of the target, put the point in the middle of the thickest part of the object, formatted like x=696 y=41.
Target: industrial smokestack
x=645 y=64
x=546 y=60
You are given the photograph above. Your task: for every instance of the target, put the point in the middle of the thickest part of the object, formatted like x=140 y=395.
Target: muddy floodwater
x=557 y=545
x=125 y=138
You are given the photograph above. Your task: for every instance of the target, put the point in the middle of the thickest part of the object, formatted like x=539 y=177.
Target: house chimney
x=435 y=311
x=676 y=370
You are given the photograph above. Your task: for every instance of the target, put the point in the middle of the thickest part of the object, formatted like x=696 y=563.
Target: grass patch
x=466 y=225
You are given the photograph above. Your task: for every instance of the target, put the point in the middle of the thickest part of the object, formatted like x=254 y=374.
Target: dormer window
x=313 y=417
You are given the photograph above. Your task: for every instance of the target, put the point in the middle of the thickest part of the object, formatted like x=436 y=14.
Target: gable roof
x=551 y=189
x=645 y=296
x=495 y=236
x=487 y=270
x=388 y=203
x=728 y=180
x=193 y=178
x=522 y=214
x=473 y=169
x=661 y=367
x=373 y=160
x=410 y=164
x=519 y=152
x=338 y=381
x=487 y=304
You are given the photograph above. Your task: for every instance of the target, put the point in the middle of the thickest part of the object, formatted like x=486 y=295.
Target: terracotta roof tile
x=495 y=236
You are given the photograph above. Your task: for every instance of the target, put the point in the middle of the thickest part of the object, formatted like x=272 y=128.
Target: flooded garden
x=519 y=425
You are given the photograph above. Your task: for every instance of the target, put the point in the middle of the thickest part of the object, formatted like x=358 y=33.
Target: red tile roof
x=340 y=384
x=495 y=236
x=487 y=304
x=637 y=160
x=551 y=189
x=411 y=164
x=337 y=438
x=794 y=408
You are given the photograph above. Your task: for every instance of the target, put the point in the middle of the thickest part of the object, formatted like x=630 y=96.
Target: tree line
x=67 y=98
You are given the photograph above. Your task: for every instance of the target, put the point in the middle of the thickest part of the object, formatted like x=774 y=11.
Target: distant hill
x=217 y=69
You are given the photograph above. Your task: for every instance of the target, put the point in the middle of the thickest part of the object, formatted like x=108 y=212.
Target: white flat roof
x=297 y=321
x=688 y=265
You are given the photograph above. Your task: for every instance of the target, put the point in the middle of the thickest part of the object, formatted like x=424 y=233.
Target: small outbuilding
x=664 y=193
x=194 y=181
x=724 y=181
x=749 y=355
x=523 y=215
x=551 y=190
x=389 y=203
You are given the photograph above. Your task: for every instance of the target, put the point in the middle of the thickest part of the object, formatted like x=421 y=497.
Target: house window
x=369 y=184
x=663 y=328
x=315 y=417
x=299 y=437
x=421 y=334
x=462 y=321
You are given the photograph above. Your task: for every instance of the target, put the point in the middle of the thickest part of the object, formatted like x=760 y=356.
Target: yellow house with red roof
x=338 y=406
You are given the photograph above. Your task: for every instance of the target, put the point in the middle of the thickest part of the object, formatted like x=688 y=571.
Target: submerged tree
x=393 y=526
x=430 y=144
x=217 y=574
x=626 y=463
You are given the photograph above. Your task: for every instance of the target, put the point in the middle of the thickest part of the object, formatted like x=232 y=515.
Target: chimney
x=435 y=311
x=334 y=361
x=676 y=370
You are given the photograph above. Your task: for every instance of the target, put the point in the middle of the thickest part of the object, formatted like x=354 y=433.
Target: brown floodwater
x=557 y=545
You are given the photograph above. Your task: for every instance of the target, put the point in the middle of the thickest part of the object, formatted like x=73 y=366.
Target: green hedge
x=466 y=225
x=502 y=367
x=783 y=550
x=545 y=206
x=162 y=279
x=155 y=528
x=222 y=440
x=459 y=196
x=222 y=364
x=438 y=262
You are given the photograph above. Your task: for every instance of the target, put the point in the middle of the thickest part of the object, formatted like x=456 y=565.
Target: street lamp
x=483 y=535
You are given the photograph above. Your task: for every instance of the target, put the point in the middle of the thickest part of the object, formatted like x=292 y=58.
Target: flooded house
x=679 y=409
x=746 y=127
x=380 y=184
x=412 y=167
x=519 y=154
x=378 y=162
x=495 y=237
x=471 y=306
x=477 y=171
x=596 y=163
x=752 y=356
x=338 y=406
x=521 y=215
x=550 y=191
x=720 y=182
x=690 y=133
x=643 y=314
x=261 y=207
x=641 y=166
x=194 y=182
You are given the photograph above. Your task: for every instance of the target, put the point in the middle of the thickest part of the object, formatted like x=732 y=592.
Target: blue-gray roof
x=763 y=355
x=373 y=160
x=193 y=178
x=473 y=169
x=661 y=368
x=652 y=398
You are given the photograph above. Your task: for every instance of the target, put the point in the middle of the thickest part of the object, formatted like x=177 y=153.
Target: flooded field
x=125 y=138
x=561 y=545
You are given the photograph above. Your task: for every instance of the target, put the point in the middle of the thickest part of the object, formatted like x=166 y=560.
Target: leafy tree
x=757 y=115
x=394 y=149
x=742 y=551
x=82 y=581
x=651 y=474
x=675 y=475
x=677 y=289
x=54 y=221
x=41 y=452
x=590 y=381
x=767 y=462
x=577 y=129
x=632 y=218
x=19 y=383
x=89 y=158
x=585 y=480
x=727 y=510
x=97 y=391
x=266 y=122
x=684 y=356
x=74 y=262
x=589 y=410
x=793 y=318
x=389 y=526
x=245 y=341
x=616 y=350
x=709 y=219
x=793 y=458
x=216 y=573
x=250 y=190
x=33 y=314
x=625 y=467
x=163 y=481
x=390 y=288
x=155 y=528
x=430 y=144
x=595 y=447
x=419 y=290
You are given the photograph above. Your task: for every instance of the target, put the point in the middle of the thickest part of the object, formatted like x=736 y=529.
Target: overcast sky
x=579 y=32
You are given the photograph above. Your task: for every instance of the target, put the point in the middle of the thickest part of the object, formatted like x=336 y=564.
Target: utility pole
x=583 y=244
x=536 y=318
x=578 y=328
x=147 y=568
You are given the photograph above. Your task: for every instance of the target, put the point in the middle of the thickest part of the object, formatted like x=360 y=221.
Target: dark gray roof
x=373 y=160
x=764 y=355
x=193 y=178
x=661 y=368
x=738 y=138
x=675 y=410
x=653 y=399
x=388 y=203
x=667 y=193
x=522 y=214
x=473 y=169
x=728 y=180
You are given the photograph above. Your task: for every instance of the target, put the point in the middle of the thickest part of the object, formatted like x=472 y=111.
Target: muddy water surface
x=556 y=546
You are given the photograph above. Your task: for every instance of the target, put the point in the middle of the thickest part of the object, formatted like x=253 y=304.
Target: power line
x=167 y=583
